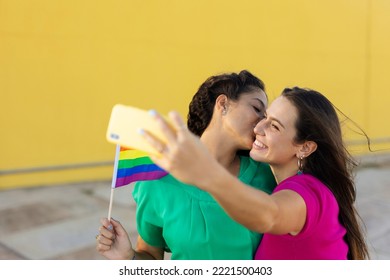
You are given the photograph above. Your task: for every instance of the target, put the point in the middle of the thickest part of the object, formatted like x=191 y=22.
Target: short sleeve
x=149 y=224
x=311 y=193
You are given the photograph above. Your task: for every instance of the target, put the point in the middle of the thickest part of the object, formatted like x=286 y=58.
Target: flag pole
x=110 y=207
x=113 y=181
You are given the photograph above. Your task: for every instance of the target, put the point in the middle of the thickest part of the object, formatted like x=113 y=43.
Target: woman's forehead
x=282 y=109
x=258 y=94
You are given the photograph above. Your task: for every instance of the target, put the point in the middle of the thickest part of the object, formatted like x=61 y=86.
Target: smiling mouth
x=259 y=145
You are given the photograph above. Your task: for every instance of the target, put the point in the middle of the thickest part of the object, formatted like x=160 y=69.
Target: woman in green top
x=182 y=219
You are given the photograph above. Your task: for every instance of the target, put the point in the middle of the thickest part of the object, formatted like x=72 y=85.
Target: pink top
x=322 y=235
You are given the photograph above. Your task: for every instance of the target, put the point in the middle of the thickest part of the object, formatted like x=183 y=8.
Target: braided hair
x=202 y=104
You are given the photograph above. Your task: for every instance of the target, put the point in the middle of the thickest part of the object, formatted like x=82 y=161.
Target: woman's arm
x=280 y=213
x=144 y=251
x=187 y=159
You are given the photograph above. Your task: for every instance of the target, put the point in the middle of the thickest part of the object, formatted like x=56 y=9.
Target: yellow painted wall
x=64 y=64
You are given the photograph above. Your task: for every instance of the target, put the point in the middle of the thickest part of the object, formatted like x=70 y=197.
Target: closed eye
x=257 y=110
x=275 y=126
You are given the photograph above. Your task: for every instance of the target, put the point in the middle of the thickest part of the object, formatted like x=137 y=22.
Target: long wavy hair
x=331 y=163
x=233 y=85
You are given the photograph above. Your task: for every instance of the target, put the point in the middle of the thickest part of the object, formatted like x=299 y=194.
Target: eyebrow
x=279 y=122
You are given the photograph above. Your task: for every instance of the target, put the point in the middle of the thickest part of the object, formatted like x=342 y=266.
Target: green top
x=188 y=221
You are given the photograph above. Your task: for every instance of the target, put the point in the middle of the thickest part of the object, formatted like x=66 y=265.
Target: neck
x=225 y=153
x=283 y=172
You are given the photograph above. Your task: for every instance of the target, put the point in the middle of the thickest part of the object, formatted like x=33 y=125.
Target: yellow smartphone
x=124 y=125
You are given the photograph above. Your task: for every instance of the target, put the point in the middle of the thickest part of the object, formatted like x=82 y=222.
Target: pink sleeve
x=311 y=192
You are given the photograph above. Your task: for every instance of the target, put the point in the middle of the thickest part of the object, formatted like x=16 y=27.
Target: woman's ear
x=222 y=103
x=307 y=149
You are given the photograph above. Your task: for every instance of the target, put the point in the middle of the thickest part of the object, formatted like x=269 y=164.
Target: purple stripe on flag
x=142 y=176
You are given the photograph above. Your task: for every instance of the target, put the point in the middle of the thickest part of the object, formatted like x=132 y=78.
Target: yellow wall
x=64 y=64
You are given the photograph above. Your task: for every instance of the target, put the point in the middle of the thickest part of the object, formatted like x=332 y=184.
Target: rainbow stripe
x=134 y=165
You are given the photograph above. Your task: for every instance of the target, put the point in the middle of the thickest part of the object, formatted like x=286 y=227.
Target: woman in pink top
x=311 y=213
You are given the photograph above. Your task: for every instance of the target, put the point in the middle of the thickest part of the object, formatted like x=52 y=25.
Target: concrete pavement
x=60 y=222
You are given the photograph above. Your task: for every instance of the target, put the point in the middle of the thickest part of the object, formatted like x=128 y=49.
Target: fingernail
x=141 y=131
x=153 y=113
x=109 y=227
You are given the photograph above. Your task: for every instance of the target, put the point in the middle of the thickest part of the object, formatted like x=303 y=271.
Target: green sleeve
x=149 y=223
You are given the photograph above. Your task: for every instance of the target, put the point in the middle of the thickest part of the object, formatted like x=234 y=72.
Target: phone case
x=124 y=124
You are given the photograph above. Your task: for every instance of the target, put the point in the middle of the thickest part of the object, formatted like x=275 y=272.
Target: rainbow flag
x=134 y=165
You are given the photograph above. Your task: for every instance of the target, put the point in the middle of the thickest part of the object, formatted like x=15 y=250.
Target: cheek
x=283 y=147
x=281 y=140
x=252 y=120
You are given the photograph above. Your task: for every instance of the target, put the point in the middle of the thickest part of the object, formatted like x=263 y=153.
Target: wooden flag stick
x=110 y=207
x=113 y=181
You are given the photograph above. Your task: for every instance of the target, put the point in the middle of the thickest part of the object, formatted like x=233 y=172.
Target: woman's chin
x=254 y=155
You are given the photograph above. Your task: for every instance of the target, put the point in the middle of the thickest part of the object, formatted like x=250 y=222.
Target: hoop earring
x=300 y=165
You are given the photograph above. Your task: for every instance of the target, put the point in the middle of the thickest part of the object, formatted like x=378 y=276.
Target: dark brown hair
x=231 y=84
x=331 y=163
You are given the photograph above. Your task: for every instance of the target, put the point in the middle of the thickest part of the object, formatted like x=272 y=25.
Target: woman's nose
x=259 y=128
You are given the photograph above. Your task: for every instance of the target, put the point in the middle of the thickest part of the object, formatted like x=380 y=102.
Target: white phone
x=124 y=125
